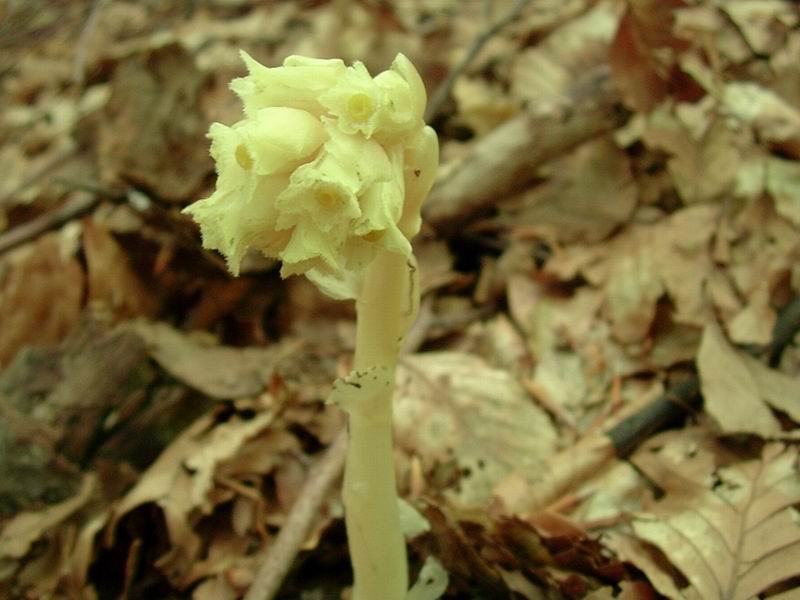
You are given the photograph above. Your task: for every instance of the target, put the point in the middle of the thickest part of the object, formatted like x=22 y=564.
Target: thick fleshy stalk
x=385 y=307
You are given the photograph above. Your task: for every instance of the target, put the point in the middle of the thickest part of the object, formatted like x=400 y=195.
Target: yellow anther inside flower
x=243 y=157
x=374 y=236
x=360 y=107
x=327 y=198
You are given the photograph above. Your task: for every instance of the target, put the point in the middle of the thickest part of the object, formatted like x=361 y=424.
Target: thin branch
x=82 y=47
x=45 y=170
x=441 y=94
x=26 y=232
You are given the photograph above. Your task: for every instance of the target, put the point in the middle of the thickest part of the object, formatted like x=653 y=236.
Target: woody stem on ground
x=385 y=308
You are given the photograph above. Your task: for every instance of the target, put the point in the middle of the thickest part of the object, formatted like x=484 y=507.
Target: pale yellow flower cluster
x=328 y=167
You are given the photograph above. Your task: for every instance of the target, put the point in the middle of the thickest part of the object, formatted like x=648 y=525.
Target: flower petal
x=418 y=97
x=421 y=162
x=280 y=139
x=356 y=101
x=296 y=84
x=306 y=248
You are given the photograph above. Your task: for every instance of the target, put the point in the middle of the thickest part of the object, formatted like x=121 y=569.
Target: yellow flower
x=328 y=167
x=387 y=106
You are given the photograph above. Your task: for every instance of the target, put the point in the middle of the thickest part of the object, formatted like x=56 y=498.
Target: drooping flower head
x=329 y=166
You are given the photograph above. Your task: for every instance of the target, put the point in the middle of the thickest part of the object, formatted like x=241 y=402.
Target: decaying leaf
x=641 y=54
x=705 y=154
x=783 y=183
x=632 y=292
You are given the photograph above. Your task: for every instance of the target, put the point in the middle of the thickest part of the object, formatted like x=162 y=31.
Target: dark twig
x=439 y=97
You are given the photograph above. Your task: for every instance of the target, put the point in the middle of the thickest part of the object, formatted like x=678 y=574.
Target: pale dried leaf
x=763 y=23
x=703 y=168
x=779 y=390
x=755 y=322
x=181 y=480
x=482 y=105
x=737 y=538
x=25 y=528
x=783 y=184
x=632 y=291
x=217 y=371
x=215 y=588
x=771 y=116
x=731 y=393
x=683 y=260
x=630 y=549
x=452 y=406
x=585 y=208
x=542 y=75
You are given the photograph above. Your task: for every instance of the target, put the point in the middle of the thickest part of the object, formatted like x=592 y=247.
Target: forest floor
x=600 y=398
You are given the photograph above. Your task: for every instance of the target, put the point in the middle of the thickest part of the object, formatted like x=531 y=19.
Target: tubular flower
x=328 y=167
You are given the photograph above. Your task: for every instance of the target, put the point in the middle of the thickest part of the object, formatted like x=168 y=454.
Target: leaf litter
x=160 y=420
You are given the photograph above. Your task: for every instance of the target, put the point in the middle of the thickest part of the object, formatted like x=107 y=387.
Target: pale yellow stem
x=377 y=547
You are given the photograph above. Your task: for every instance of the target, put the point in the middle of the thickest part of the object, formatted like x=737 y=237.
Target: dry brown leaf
x=732 y=394
x=705 y=155
x=632 y=550
x=779 y=390
x=217 y=371
x=639 y=54
x=632 y=292
x=153 y=131
x=40 y=297
x=215 y=588
x=181 y=481
x=763 y=24
x=755 y=322
x=773 y=118
x=585 y=208
x=681 y=253
x=482 y=105
x=111 y=278
x=543 y=74
x=453 y=406
x=736 y=537
x=783 y=184
x=25 y=528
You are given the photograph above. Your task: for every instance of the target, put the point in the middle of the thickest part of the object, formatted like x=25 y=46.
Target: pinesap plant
x=326 y=173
